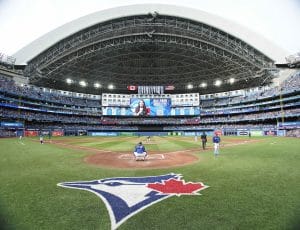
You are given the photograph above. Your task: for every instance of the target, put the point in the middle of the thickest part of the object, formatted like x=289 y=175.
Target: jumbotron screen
x=131 y=105
x=150 y=106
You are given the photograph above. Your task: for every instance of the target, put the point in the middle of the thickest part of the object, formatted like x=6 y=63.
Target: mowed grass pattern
x=251 y=186
x=155 y=144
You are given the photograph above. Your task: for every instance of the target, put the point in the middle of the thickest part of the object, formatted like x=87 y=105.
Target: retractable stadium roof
x=149 y=45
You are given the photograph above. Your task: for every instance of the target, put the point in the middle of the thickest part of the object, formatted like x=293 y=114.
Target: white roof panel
x=44 y=42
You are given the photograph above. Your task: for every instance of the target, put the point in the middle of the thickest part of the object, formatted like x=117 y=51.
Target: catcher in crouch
x=140 y=152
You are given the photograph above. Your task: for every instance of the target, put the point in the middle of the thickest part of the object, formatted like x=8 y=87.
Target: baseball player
x=216 y=140
x=140 y=152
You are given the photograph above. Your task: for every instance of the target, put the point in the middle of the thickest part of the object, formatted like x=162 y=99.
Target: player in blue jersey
x=140 y=152
x=216 y=140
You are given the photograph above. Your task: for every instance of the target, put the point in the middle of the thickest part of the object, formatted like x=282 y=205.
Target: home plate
x=150 y=156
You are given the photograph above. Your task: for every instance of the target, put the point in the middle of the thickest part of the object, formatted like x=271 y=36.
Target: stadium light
x=203 y=85
x=69 y=81
x=190 y=86
x=83 y=83
x=218 y=83
x=231 y=80
x=97 y=85
x=110 y=86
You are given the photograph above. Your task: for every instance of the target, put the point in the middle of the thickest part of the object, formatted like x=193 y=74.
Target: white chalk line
x=152 y=156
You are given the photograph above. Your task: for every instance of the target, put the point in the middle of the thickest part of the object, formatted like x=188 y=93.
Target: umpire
x=204 y=140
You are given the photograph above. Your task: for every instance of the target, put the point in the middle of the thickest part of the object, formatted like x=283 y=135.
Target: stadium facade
x=194 y=71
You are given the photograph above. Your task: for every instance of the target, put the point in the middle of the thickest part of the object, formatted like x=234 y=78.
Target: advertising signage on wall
x=12 y=124
x=102 y=134
x=289 y=125
x=256 y=133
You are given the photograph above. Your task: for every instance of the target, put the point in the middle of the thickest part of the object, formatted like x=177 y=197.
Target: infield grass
x=251 y=186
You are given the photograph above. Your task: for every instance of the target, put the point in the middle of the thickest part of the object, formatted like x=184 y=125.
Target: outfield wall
x=35 y=133
x=255 y=133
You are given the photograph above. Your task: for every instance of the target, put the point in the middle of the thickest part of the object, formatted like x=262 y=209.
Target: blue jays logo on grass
x=126 y=196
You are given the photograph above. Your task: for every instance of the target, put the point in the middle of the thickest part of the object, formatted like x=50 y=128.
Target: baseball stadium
x=213 y=106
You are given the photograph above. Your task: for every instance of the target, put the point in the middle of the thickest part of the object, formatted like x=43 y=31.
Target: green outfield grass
x=251 y=186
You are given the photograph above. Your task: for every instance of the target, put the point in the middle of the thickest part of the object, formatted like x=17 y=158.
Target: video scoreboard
x=156 y=105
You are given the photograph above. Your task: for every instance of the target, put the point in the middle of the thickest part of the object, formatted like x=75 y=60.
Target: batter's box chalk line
x=152 y=156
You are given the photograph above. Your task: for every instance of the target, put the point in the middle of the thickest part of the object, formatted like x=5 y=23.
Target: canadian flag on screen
x=132 y=87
